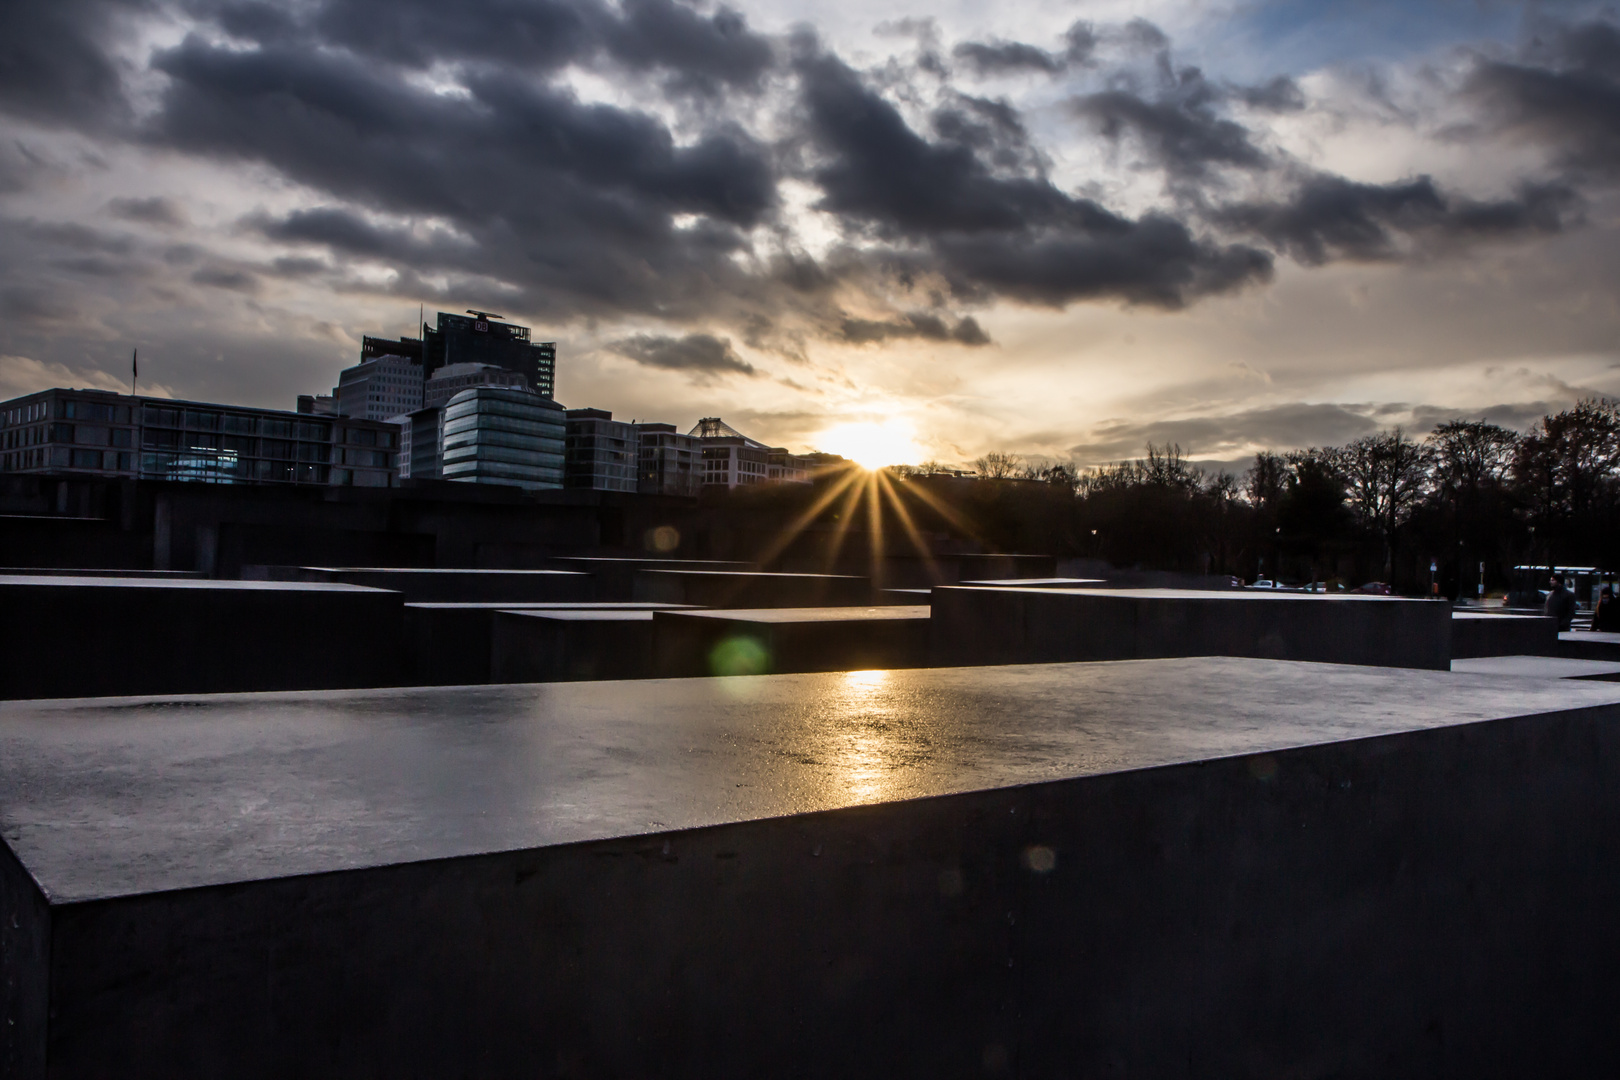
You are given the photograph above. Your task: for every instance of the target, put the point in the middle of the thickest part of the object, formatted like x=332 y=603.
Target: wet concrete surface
x=1183 y=868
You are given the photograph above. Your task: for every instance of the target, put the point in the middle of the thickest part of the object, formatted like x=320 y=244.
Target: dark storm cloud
x=1329 y=217
x=914 y=325
x=1564 y=92
x=157 y=210
x=572 y=202
x=701 y=52
x=54 y=64
x=1001 y=57
x=1010 y=57
x=1279 y=426
x=698 y=354
x=1281 y=94
x=987 y=234
x=1181 y=130
x=221 y=277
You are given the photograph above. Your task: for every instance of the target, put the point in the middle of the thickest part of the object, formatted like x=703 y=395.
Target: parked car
x=1263 y=583
x=1373 y=588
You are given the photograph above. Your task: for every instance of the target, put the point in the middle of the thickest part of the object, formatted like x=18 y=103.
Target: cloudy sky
x=1052 y=228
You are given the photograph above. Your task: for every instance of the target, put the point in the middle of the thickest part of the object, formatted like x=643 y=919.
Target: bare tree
x=997 y=466
x=1472 y=454
x=1386 y=476
x=1265 y=481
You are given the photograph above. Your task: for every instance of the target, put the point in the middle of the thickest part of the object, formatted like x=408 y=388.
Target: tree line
x=1384 y=507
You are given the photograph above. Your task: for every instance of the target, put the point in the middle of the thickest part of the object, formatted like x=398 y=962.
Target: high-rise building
x=380 y=388
x=476 y=338
x=500 y=435
x=452 y=379
x=667 y=462
x=149 y=438
x=600 y=452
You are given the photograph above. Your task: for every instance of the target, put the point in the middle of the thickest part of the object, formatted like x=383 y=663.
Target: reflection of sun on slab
x=862 y=740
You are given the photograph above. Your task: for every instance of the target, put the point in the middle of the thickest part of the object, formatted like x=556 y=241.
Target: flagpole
x=134 y=370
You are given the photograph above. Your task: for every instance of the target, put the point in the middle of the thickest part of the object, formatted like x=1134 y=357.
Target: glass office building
x=499 y=435
x=125 y=435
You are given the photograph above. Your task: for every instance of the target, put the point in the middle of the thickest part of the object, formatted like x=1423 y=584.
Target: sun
x=870 y=444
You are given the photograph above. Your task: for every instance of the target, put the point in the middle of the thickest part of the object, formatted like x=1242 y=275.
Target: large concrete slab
x=171 y=575
x=717 y=589
x=1589 y=645
x=453 y=644
x=976 y=625
x=1203 y=867
x=76 y=636
x=562 y=646
x=452 y=585
x=770 y=640
x=1478 y=633
x=984 y=567
x=1539 y=667
x=1043 y=583
x=616 y=575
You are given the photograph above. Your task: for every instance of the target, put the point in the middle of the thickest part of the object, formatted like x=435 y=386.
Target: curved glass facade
x=494 y=435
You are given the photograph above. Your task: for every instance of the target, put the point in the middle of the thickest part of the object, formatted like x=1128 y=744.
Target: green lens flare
x=739 y=656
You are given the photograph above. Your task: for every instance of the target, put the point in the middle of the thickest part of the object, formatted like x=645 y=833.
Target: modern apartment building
x=500 y=435
x=731 y=459
x=600 y=452
x=111 y=434
x=667 y=462
x=380 y=388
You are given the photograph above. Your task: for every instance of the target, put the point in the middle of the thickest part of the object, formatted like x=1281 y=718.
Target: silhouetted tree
x=997 y=466
x=1385 y=477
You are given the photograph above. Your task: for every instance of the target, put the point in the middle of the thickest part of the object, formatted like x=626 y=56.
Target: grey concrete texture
x=1539 y=667
x=1477 y=633
x=171 y=575
x=1043 y=583
x=985 y=567
x=453 y=585
x=773 y=640
x=615 y=576
x=453 y=644
x=975 y=625
x=1058 y=870
x=731 y=589
x=86 y=636
x=1588 y=645
x=562 y=646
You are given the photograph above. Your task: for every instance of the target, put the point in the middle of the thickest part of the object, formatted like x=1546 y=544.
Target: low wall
x=1012 y=626
x=89 y=636
x=563 y=646
x=1478 y=634
x=730 y=589
x=774 y=640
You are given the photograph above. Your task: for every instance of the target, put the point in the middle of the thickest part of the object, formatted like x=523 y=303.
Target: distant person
x=1560 y=604
x=1606 y=616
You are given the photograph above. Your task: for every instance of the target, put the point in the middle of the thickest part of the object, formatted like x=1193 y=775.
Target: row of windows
x=24 y=414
